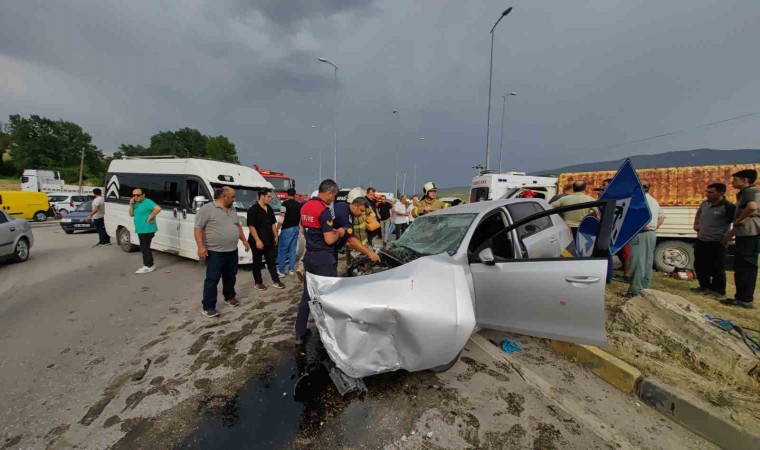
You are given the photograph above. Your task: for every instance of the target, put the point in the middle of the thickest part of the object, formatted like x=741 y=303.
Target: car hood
x=414 y=317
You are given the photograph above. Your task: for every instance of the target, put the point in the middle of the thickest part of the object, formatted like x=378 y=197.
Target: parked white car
x=65 y=203
x=16 y=238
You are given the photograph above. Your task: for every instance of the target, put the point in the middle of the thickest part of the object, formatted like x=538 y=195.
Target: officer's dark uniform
x=320 y=259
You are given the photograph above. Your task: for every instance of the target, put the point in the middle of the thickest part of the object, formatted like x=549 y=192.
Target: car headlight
x=65 y=220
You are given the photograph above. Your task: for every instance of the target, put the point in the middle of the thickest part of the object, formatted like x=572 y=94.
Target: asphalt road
x=76 y=323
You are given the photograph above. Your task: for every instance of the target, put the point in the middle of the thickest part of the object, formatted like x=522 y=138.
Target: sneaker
x=232 y=301
x=145 y=269
x=281 y=275
x=106 y=244
x=626 y=294
x=279 y=285
x=699 y=290
x=211 y=313
x=260 y=287
x=716 y=295
x=97 y=245
x=290 y=272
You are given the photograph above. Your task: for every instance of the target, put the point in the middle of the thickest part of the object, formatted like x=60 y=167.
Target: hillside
x=696 y=157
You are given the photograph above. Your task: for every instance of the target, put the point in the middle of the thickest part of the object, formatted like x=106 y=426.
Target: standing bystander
x=712 y=223
x=288 y=245
x=400 y=216
x=411 y=208
x=97 y=215
x=217 y=232
x=747 y=231
x=262 y=236
x=573 y=218
x=144 y=211
x=642 y=248
x=384 y=211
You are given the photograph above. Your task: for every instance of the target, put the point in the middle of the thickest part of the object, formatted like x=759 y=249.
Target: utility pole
x=396 y=113
x=81 y=170
x=414 y=188
x=490 y=79
x=403 y=185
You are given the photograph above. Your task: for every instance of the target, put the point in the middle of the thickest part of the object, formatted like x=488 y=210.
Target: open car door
x=523 y=288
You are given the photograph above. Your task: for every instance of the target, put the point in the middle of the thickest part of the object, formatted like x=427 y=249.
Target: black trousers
x=710 y=265
x=745 y=267
x=100 y=227
x=147 y=254
x=400 y=228
x=270 y=255
x=373 y=234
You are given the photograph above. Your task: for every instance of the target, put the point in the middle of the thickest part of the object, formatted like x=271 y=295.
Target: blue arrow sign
x=588 y=230
x=631 y=210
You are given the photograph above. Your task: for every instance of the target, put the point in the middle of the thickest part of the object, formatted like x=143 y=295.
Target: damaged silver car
x=507 y=265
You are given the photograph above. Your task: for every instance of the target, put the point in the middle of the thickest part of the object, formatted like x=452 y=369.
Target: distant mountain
x=696 y=157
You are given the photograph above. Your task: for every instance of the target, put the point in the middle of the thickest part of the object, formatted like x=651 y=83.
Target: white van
x=493 y=186
x=179 y=186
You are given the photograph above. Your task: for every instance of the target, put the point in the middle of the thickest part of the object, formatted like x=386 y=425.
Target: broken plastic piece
x=510 y=346
x=343 y=383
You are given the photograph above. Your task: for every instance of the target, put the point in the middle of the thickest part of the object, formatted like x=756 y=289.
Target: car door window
x=488 y=227
x=519 y=211
x=3 y=218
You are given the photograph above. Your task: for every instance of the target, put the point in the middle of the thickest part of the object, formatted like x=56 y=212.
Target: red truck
x=281 y=183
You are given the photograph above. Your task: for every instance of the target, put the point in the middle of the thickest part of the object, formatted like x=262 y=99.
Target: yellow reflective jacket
x=433 y=204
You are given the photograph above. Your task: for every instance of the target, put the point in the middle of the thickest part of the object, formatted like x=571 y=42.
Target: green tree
x=42 y=143
x=6 y=166
x=220 y=148
x=185 y=143
x=130 y=150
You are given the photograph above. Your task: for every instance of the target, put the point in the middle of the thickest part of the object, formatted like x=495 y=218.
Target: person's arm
x=363 y=249
x=697 y=219
x=198 y=234
x=747 y=212
x=95 y=209
x=275 y=229
x=154 y=213
x=660 y=221
x=132 y=207
x=252 y=232
x=241 y=236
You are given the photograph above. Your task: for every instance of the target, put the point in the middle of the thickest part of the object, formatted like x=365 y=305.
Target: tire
x=123 y=239
x=40 y=216
x=63 y=212
x=21 y=253
x=68 y=231
x=671 y=254
x=445 y=367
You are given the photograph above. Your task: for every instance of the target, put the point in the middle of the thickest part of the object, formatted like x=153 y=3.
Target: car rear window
x=57 y=198
x=521 y=210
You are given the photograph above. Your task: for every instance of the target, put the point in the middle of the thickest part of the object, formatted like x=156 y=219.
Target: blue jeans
x=287 y=248
x=224 y=266
x=323 y=263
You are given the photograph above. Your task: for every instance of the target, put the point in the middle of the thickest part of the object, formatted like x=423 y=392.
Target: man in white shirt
x=411 y=207
x=97 y=215
x=400 y=216
x=642 y=248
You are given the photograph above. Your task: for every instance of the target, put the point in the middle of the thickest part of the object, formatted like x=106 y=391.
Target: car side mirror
x=530 y=228
x=486 y=257
x=198 y=202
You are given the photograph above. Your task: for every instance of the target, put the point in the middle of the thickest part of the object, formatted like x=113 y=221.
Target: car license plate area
x=81 y=225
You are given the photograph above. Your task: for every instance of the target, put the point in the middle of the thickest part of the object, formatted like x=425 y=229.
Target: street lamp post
x=396 y=113
x=320 y=158
x=490 y=79
x=403 y=185
x=335 y=114
x=503 y=110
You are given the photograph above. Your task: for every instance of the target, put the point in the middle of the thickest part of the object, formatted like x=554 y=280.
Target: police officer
x=428 y=203
x=321 y=257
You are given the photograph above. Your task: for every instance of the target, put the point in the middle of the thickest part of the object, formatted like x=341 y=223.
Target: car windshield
x=57 y=198
x=84 y=207
x=280 y=184
x=245 y=197
x=431 y=235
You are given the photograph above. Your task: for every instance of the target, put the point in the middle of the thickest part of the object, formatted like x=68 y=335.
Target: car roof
x=485 y=206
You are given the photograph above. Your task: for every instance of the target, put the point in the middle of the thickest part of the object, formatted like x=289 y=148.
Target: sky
x=588 y=74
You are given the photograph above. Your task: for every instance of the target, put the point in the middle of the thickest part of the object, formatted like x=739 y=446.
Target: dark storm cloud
x=588 y=75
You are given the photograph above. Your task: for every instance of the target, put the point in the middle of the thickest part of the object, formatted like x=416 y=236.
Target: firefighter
x=428 y=203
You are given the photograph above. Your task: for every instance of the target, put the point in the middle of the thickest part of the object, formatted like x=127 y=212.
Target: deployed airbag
x=414 y=317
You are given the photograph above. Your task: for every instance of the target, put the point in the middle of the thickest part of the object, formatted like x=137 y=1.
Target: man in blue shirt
x=144 y=211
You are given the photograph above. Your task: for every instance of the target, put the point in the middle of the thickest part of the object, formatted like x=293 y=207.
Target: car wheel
x=21 y=253
x=40 y=216
x=68 y=231
x=122 y=238
x=445 y=367
x=63 y=212
x=671 y=254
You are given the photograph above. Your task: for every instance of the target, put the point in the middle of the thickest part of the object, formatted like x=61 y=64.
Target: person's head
x=430 y=190
x=606 y=182
x=579 y=186
x=291 y=192
x=225 y=195
x=415 y=199
x=384 y=199
x=97 y=192
x=715 y=192
x=371 y=193
x=566 y=189
x=402 y=199
x=328 y=190
x=138 y=195
x=359 y=206
x=265 y=196
x=743 y=178
x=645 y=185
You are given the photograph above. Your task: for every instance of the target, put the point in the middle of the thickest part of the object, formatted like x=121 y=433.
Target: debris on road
x=139 y=375
x=509 y=346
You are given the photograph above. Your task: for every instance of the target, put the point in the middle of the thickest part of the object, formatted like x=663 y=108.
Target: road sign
x=631 y=210
x=588 y=230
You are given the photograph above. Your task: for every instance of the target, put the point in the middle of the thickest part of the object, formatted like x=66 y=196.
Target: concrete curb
x=679 y=406
x=609 y=368
x=691 y=412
